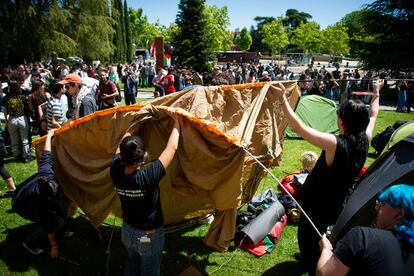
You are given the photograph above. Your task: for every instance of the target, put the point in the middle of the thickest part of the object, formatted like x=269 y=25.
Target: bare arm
x=48 y=142
x=328 y=263
x=320 y=139
x=373 y=108
x=53 y=245
x=168 y=154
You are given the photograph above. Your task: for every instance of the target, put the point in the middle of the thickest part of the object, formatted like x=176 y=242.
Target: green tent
x=317 y=112
x=400 y=133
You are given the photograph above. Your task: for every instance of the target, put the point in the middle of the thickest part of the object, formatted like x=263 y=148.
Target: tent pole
x=284 y=189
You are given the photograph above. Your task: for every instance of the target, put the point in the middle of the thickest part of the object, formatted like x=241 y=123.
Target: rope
x=284 y=189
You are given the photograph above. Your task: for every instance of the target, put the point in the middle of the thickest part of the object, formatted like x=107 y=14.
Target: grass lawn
x=92 y=252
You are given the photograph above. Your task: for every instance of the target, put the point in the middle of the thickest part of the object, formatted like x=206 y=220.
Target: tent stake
x=284 y=189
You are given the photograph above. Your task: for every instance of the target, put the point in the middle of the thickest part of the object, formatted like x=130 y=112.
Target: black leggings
x=3 y=172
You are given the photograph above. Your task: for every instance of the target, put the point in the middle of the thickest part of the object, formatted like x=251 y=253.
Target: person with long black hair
x=325 y=189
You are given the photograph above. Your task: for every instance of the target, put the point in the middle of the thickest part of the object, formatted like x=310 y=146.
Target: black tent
x=396 y=166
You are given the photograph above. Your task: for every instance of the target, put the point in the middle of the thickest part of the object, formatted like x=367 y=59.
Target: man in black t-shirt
x=385 y=250
x=138 y=190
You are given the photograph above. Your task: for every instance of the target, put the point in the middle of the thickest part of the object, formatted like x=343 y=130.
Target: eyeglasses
x=378 y=205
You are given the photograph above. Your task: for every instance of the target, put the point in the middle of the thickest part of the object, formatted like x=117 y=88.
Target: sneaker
x=29 y=159
x=69 y=234
x=36 y=251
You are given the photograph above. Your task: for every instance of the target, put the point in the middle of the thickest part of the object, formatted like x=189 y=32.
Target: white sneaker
x=36 y=251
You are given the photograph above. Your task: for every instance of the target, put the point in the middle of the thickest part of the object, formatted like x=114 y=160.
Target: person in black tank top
x=342 y=158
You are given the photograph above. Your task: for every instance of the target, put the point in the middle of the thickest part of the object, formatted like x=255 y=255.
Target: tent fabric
x=400 y=133
x=210 y=170
x=392 y=167
x=317 y=112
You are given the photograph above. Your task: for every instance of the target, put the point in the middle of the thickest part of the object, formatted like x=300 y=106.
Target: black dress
x=324 y=191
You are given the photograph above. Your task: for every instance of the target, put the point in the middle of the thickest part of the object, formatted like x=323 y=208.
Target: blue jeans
x=401 y=101
x=144 y=250
x=329 y=94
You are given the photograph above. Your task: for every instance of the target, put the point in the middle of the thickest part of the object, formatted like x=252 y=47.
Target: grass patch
x=86 y=252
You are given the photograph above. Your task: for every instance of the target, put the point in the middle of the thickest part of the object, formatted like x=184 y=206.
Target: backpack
x=380 y=140
x=119 y=97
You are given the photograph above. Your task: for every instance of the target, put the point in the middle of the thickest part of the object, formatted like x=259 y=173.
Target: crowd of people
x=53 y=95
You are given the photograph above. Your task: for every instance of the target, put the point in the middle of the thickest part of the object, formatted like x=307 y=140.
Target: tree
x=192 y=47
x=243 y=40
x=93 y=43
x=389 y=24
x=335 y=40
x=56 y=37
x=308 y=37
x=217 y=21
x=127 y=33
x=274 y=36
x=354 y=22
x=142 y=32
x=257 y=35
x=294 y=18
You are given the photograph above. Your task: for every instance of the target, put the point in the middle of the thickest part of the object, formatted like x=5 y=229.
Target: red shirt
x=168 y=83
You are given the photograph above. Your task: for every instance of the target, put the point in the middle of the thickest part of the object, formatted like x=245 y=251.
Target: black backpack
x=119 y=97
x=380 y=140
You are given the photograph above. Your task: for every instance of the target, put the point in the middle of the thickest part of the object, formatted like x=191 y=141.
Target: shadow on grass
x=289 y=268
x=86 y=252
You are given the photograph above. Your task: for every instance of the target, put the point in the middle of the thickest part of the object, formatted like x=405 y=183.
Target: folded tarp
x=210 y=170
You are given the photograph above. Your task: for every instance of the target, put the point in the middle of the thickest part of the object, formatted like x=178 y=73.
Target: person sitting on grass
x=387 y=249
x=40 y=199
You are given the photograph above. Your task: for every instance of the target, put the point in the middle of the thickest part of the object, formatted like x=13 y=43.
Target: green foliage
x=389 y=28
x=93 y=42
x=355 y=24
x=243 y=40
x=142 y=32
x=170 y=32
x=294 y=18
x=127 y=34
x=192 y=46
x=274 y=35
x=32 y=30
x=308 y=37
x=217 y=22
x=257 y=34
x=335 y=39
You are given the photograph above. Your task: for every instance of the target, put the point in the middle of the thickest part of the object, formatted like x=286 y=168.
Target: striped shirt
x=54 y=108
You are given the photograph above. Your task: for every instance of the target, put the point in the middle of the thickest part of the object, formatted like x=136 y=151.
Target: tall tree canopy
x=31 y=30
x=243 y=40
x=308 y=37
x=217 y=22
x=390 y=42
x=274 y=36
x=294 y=18
x=192 y=47
x=335 y=39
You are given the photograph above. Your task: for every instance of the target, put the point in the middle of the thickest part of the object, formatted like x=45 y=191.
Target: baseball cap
x=217 y=67
x=71 y=78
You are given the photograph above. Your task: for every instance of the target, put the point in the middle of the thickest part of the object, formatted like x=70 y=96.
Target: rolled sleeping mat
x=260 y=226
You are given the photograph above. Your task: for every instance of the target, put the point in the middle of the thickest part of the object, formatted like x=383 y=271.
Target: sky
x=242 y=12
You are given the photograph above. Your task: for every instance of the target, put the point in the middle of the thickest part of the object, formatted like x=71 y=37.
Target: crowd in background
x=34 y=101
